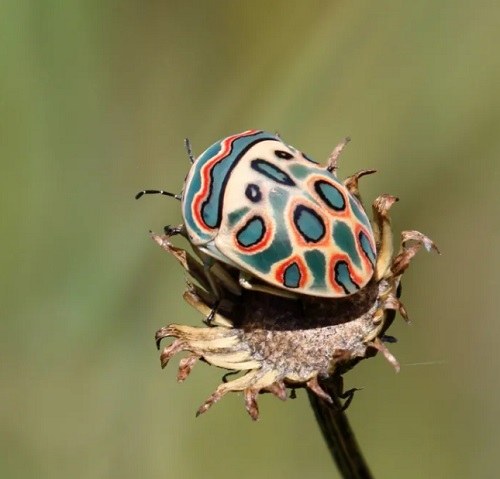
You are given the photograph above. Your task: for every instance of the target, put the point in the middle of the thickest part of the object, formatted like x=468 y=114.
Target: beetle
x=260 y=205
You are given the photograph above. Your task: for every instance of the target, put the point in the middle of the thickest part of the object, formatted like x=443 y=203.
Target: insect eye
x=284 y=155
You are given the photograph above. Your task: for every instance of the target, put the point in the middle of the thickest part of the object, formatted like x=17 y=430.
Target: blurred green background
x=97 y=97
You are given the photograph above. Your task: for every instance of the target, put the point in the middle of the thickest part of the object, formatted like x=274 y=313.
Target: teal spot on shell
x=252 y=232
x=264 y=260
x=272 y=172
x=343 y=277
x=316 y=264
x=236 y=215
x=278 y=198
x=343 y=237
x=330 y=195
x=359 y=213
x=367 y=247
x=280 y=247
x=210 y=213
x=300 y=171
x=291 y=276
x=309 y=223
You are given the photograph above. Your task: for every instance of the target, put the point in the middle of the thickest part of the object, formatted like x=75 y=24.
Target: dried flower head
x=278 y=342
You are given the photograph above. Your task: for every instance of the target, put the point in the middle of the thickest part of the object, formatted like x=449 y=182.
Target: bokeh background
x=96 y=98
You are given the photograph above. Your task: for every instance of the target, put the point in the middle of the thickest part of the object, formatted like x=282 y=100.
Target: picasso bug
x=260 y=211
x=255 y=203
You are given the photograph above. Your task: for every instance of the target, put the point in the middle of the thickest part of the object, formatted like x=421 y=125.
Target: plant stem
x=338 y=434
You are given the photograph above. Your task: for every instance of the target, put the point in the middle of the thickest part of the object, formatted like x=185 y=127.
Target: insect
x=259 y=210
x=265 y=208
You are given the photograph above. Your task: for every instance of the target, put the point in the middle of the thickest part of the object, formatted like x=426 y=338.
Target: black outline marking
x=259 y=161
x=296 y=215
x=309 y=159
x=294 y=263
x=372 y=261
x=253 y=193
x=325 y=199
x=259 y=239
x=335 y=269
x=283 y=155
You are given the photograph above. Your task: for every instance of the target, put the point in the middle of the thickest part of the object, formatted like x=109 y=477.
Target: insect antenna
x=187 y=145
x=157 y=192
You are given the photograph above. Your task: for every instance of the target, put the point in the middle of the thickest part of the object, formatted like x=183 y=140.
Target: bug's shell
x=262 y=206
